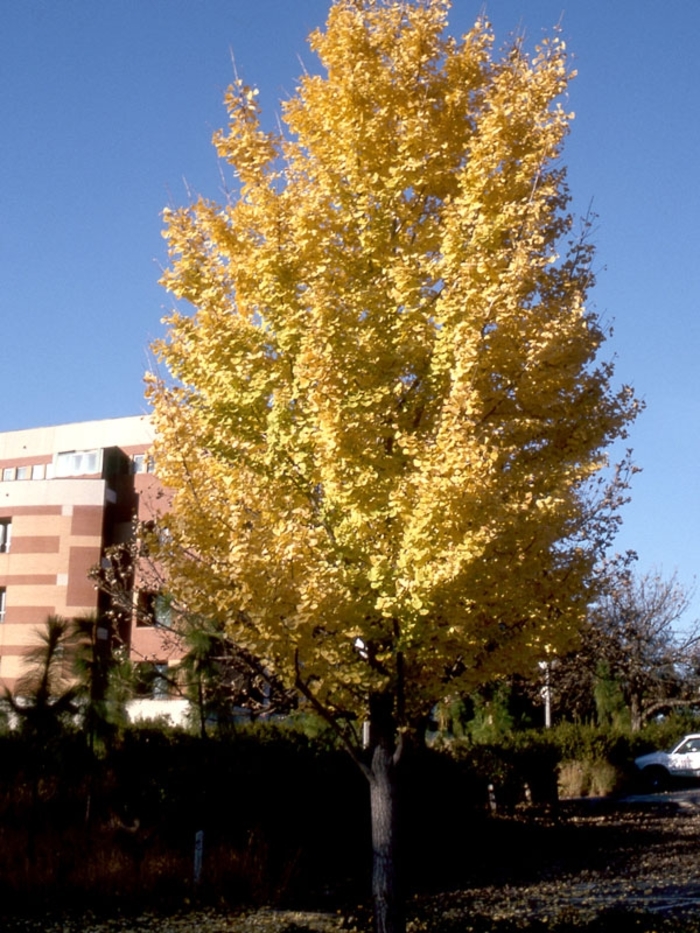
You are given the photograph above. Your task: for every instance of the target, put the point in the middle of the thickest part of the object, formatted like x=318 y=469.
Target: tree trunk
x=636 y=720
x=388 y=907
x=386 y=889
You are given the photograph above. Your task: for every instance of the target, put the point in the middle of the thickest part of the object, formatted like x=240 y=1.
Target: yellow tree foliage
x=384 y=419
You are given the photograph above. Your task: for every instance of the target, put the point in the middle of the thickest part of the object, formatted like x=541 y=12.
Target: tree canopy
x=385 y=419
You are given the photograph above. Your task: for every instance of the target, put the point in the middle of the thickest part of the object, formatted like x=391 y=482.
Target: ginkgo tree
x=385 y=422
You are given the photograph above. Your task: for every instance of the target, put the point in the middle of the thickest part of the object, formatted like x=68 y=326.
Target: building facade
x=66 y=494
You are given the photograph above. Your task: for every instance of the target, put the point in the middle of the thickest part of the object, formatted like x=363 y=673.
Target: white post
x=546 y=694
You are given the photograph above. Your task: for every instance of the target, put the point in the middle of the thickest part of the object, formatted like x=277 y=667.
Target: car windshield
x=685 y=746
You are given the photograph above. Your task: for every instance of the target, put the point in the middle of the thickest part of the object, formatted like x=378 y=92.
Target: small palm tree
x=44 y=698
x=44 y=703
x=98 y=675
x=218 y=677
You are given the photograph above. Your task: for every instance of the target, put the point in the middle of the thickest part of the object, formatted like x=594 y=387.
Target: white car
x=683 y=761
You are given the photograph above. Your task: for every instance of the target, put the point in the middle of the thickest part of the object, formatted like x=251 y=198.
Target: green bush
x=284 y=812
x=272 y=804
x=521 y=767
x=594 y=760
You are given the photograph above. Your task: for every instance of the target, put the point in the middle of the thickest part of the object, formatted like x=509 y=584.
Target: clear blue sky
x=107 y=111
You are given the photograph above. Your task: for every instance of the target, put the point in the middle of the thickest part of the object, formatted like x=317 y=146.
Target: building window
x=152 y=680
x=5 y=534
x=153 y=609
x=161 y=683
x=2 y=603
x=23 y=472
x=142 y=463
x=78 y=463
x=38 y=471
x=8 y=474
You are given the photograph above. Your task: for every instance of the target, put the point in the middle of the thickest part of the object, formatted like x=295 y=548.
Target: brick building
x=67 y=493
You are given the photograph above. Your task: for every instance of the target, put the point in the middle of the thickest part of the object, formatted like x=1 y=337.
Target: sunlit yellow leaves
x=386 y=407
x=245 y=146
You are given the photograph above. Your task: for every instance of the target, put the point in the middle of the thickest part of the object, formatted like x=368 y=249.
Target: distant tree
x=386 y=418
x=654 y=659
x=637 y=654
x=609 y=697
x=496 y=709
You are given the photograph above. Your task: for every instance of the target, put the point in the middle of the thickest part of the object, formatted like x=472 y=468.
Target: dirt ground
x=592 y=866
x=601 y=866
